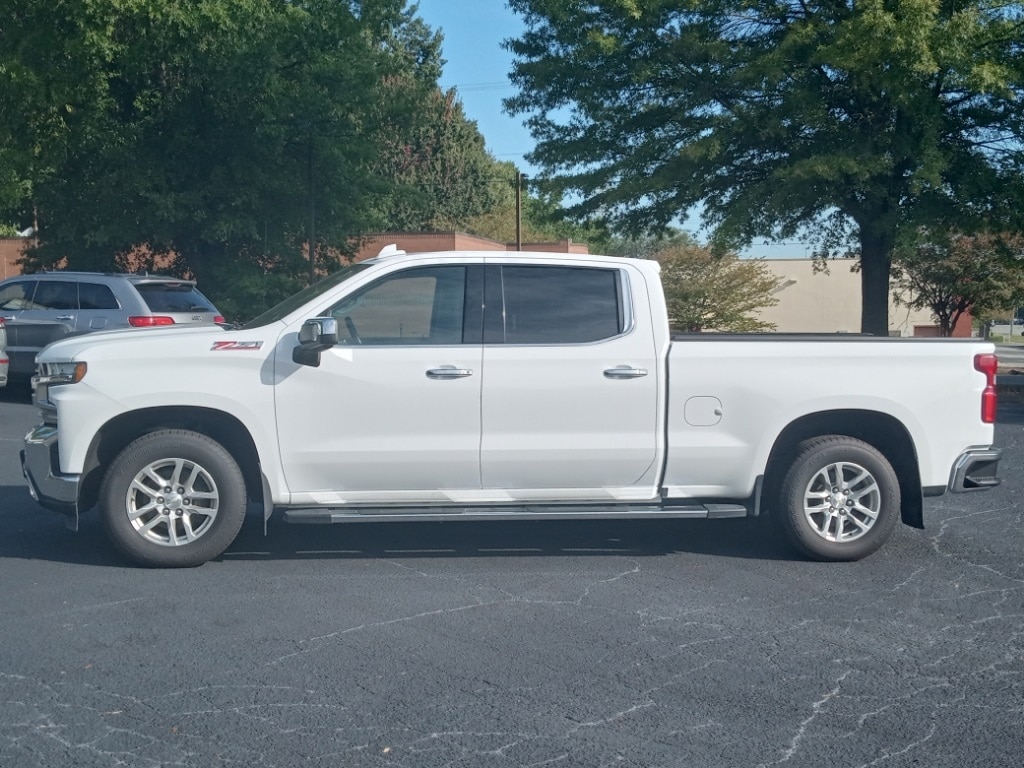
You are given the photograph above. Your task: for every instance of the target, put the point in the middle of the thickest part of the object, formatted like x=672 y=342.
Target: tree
x=861 y=119
x=214 y=132
x=705 y=290
x=951 y=274
x=443 y=172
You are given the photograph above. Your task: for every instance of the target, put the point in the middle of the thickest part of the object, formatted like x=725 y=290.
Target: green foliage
x=443 y=172
x=705 y=290
x=202 y=129
x=865 y=119
x=649 y=246
x=951 y=274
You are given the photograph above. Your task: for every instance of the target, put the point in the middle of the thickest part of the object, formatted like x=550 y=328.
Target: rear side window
x=560 y=305
x=173 y=297
x=96 y=296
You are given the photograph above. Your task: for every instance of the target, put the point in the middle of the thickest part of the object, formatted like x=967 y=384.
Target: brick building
x=11 y=249
x=420 y=242
x=808 y=300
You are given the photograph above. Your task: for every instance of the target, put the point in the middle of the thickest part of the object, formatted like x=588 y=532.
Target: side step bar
x=529 y=512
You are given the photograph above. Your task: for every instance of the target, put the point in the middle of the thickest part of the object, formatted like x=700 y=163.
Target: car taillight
x=219 y=319
x=147 y=321
x=988 y=364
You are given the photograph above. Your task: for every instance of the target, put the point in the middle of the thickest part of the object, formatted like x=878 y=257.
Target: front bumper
x=50 y=487
x=975 y=470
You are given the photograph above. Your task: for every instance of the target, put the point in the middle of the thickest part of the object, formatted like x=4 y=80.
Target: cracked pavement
x=646 y=643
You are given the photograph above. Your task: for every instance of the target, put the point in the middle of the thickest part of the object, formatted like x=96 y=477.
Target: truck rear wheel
x=173 y=499
x=840 y=499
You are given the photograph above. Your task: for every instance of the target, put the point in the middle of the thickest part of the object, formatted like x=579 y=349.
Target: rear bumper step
x=975 y=470
x=531 y=512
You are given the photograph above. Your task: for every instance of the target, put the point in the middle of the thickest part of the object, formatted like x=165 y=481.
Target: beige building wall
x=828 y=302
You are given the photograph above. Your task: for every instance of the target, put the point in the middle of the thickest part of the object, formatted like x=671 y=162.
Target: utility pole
x=519 y=210
x=312 y=215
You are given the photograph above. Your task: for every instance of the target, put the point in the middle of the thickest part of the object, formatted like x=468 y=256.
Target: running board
x=530 y=512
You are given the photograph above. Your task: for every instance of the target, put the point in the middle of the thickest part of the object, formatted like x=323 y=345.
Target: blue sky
x=478 y=67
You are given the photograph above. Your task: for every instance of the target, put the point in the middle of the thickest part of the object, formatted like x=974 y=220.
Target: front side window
x=56 y=294
x=561 y=305
x=416 y=306
x=17 y=295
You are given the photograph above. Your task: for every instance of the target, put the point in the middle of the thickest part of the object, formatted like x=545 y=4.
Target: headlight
x=61 y=373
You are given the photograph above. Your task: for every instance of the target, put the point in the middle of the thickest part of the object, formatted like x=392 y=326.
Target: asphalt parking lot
x=652 y=643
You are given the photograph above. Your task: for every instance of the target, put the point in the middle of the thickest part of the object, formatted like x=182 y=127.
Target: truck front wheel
x=173 y=499
x=840 y=499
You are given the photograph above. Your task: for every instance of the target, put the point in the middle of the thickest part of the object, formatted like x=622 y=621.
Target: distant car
x=43 y=307
x=3 y=353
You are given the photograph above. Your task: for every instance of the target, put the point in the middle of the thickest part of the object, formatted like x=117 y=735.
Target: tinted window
x=95 y=296
x=173 y=297
x=560 y=305
x=417 y=306
x=56 y=294
x=17 y=295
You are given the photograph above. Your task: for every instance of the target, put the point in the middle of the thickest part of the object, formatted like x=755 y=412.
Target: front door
x=39 y=311
x=393 y=411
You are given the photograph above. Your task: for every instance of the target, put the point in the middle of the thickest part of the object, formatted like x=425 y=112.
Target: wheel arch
x=126 y=427
x=881 y=430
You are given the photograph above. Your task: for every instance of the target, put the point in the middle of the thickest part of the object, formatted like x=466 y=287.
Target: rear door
x=570 y=397
x=98 y=307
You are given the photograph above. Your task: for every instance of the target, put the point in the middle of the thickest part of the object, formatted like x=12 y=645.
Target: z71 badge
x=222 y=345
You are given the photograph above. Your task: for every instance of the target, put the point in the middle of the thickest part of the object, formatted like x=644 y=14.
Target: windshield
x=173 y=297
x=295 y=301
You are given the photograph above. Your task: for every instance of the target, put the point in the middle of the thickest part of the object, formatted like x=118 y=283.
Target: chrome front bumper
x=50 y=487
x=975 y=470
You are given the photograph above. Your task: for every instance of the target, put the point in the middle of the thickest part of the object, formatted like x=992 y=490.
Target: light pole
x=519 y=210
x=312 y=213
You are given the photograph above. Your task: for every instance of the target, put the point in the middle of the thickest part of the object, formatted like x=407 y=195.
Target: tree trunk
x=875 y=261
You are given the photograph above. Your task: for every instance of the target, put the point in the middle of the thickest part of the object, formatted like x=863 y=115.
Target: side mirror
x=315 y=335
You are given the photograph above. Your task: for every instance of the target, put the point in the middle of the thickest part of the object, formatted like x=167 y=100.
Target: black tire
x=191 y=519
x=839 y=500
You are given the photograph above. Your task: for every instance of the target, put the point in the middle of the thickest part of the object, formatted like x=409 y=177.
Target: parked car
x=43 y=307
x=3 y=353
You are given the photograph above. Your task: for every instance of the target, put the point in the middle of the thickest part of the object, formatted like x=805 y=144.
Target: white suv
x=40 y=308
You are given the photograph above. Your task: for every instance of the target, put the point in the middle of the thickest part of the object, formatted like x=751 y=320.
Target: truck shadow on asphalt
x=34 y=534
x=31 y=533
x=747 y=539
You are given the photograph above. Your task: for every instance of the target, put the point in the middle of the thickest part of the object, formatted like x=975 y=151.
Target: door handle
x=65 y=317
x=448 y=372
x=624 y=372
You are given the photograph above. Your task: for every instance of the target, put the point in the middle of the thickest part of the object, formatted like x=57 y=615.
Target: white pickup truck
x=483 y=386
